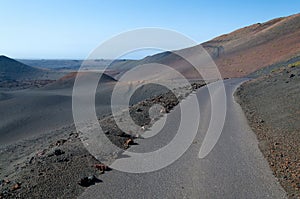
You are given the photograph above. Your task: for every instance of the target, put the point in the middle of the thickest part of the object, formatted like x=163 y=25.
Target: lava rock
x=139 y=110
x=102 y=167
x=58 y=152
x=88 y=181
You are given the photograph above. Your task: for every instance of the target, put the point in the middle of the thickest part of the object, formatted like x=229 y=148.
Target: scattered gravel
x=271 y=104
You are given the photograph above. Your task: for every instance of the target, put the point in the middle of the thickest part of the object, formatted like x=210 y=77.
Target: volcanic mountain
x=238 y=53
x=12 y=70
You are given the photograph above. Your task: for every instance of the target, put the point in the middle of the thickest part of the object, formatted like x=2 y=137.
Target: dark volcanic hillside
x=16 y=75
x=241 y=52
x=11 y=69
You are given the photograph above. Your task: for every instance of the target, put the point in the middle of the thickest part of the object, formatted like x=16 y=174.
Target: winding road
x=235 y=168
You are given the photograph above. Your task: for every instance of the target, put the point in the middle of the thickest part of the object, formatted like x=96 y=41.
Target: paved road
x=235 y=168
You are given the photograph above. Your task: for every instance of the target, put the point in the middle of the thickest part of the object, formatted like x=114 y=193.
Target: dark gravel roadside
x=271 y=104
x=52 y=165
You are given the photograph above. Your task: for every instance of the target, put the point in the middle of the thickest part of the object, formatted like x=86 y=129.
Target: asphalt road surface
x=235 y=168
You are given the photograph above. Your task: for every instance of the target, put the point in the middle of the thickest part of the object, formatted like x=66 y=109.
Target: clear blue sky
x=71 y=29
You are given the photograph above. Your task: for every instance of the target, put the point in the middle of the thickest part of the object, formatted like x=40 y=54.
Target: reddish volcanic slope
x=248 y=49
x=68 y=80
